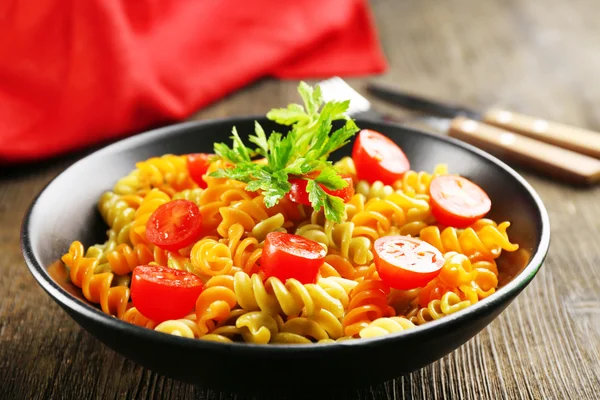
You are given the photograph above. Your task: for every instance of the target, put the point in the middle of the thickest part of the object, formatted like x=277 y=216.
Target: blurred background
x=70 y=83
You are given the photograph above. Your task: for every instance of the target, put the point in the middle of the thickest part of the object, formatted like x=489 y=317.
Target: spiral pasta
x=95 y=287
x=368 y=302
x=385 y=326
x=414 y=182
x=436 y=309
x=118 y=215
x=134 y=182
x=134 y=317
x=290 y=298
x=168 y=172
x=215 y=303
x=485 y=243
x=347 y=300
x=193 y=195
x=154 y=199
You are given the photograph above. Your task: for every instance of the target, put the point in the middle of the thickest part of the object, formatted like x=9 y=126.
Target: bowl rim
x=65 y=299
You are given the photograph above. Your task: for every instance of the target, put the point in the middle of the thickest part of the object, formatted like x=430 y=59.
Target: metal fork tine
x=336 y=88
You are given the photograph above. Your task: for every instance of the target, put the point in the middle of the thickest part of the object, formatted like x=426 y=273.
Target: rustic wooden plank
x=538 y=57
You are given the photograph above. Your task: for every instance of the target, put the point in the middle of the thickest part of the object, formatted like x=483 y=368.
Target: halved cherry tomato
x=378 y=158
x=456 y=201
x=174 y=225
x=288 y=256
x=197 y=166
x=162 y=293
x=298 y=193
x=405 y=263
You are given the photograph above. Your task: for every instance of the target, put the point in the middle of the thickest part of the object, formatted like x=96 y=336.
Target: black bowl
x=66 y=211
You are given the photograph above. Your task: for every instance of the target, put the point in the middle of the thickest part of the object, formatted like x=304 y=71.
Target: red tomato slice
x=162 y=293
x=174 y=225
x=298 y=193
x=456 y=201
x=378 y=158
x=344 y=193
x=406 y=263
x=288 y=256
x=197 y=166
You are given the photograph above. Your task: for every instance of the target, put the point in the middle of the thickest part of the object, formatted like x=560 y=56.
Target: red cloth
x=74 y=73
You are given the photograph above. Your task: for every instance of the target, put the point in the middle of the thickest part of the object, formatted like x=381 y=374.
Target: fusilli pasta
x=347 y=300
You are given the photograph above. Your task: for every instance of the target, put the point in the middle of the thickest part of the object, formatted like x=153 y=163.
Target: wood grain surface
x=538 y=57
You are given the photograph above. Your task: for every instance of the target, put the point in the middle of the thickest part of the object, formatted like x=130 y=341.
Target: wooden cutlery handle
x=568 y=137
x=546 y=158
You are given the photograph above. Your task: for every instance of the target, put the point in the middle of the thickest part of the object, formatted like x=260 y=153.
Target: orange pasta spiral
x=125 y=258
x=245 y=213
x=246 y=252
x=215 y=303
x=368 y=302
x=95 y=287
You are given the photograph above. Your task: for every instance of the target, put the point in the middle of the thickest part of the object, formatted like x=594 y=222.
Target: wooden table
x=538 y=56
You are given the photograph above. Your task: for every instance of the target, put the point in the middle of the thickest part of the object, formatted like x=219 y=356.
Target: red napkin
x=75 y=73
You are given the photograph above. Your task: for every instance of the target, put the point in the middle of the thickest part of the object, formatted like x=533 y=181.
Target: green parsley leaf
x=333 y=206
x=260 y=139
x=331 y=179
x=303 y=150
x=294 y=113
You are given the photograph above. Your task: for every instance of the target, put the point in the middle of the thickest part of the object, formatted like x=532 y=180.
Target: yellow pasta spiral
x=245 y=213
x=484 y=244
x=133 y=316
x=304 y=327
x=385 y=326
x=154 y=199
x=470 y=281
x=436 y=309
x=245 y=252
x=193 y=195
x=185 y=327
x=375 y=190
x=377 y=218
x=211 y=258
x=354 y=206
x=168 y=172
x=257 y=327
x=132 y=183
x=216 y=196
x=338 y=239
x=414 y=182
x=117 y=214
x=274 y=223
x=215 y=303
x=290 y=298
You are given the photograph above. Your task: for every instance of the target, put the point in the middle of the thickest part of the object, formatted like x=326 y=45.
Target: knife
x=563 y=151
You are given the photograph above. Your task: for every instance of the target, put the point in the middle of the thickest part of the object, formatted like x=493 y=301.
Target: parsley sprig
x=301 y=153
